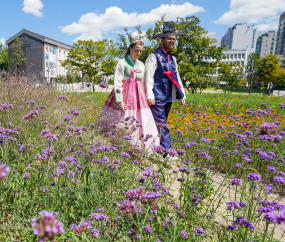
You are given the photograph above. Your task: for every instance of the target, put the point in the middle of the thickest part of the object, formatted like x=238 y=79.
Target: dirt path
x=221 y=212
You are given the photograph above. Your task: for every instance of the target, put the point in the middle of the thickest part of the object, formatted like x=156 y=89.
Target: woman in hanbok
x=128 y=100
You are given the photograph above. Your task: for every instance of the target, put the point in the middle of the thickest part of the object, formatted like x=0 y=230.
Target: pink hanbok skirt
x=136 y=106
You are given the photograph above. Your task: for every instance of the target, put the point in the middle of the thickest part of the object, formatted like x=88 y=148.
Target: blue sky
x=70 y=20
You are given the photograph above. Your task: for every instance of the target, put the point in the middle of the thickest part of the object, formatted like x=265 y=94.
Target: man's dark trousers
x=160 y=113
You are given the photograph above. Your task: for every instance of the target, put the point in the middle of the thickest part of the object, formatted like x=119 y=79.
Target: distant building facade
x=236 y=57
x=266 y=43
x=240 y=37
x=280 y=40
x=217 y=42
x=44 y=55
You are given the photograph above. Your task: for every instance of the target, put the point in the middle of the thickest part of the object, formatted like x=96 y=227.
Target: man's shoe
x=170 y=158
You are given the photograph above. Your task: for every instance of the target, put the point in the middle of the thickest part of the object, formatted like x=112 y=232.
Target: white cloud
x=92 y=25
x=33 y=6
x=136 y=35
x=2 y=41
x=262 y=12
x=268 y=26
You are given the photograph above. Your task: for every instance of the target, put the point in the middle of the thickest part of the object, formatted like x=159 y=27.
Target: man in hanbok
x=163 y=84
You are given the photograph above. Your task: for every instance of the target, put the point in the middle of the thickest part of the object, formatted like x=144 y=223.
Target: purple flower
x=148 y=172
x=254 y=177
x=181 y=152
x=99 y=216
x=123 y=154
x=127 y=207
x=200 y=231
x=184 y=234
x=62 y=97
x=103 y=84
x=172 y=152
x=47 y=227
x=159 y=149
x=147 y=229
x=67 y=118
x=268 y=128
x=235 y=181
x=279 y=179
x=230 y=227
x=85 y=225
x=3 y=172
x=45 y=189
x=176 y=206
x=233 y=205
x=271 y=168
x=26 y=176
x=95 y=233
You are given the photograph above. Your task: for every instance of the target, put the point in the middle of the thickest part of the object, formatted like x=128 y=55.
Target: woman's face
x=136 y=51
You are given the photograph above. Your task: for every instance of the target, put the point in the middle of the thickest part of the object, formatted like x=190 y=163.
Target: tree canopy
x=96 y=59
x=18 y=58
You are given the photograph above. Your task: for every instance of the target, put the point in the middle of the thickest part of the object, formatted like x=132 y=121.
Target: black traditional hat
x=168 y=30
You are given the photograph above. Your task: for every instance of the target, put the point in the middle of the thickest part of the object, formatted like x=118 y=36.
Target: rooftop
x=40 y=37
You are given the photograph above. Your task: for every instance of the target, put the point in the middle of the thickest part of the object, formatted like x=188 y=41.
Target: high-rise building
x=266 y=43
x=280 y=40
x=240 y=37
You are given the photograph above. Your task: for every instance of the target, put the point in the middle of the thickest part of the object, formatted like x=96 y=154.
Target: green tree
x=96 y=59
x=278 y=76
x=231 y=75
x=4 y=59
x=18 y=57
x=266 y=66
x=251 y=67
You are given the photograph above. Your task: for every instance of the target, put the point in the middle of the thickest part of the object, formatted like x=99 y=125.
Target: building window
x=271 y=51
x=271 y=48
x=59 y=53
x=239 y=55
x=243 y=55
x=235 y=56
x=228 y=56
x=272 y=39
x=242 y=63
x=232 y=56
x=272 y=43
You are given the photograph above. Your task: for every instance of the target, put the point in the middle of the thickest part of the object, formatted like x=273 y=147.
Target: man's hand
x=182 y=102
x=122 y=106
x=151 y=102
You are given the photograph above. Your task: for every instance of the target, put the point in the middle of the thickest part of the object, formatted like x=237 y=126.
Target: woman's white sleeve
x=150 y=68
x=118 y=81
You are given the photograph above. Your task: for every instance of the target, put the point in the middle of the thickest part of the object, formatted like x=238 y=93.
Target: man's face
x=168 y=42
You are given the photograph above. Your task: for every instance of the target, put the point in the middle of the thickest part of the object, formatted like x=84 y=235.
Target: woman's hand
x=151 y=102
x=122 y=106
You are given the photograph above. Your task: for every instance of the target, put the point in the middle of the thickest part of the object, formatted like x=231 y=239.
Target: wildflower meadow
x=63 y=180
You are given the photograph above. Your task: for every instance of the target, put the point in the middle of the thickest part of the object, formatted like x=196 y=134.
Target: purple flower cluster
x=3 y=172
x=47 y=227
x=62 y=97
x=103 y=85
x=231 y=205
x=84 y=225
x=254 y=177
x=200 y=231
x=241 y=222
